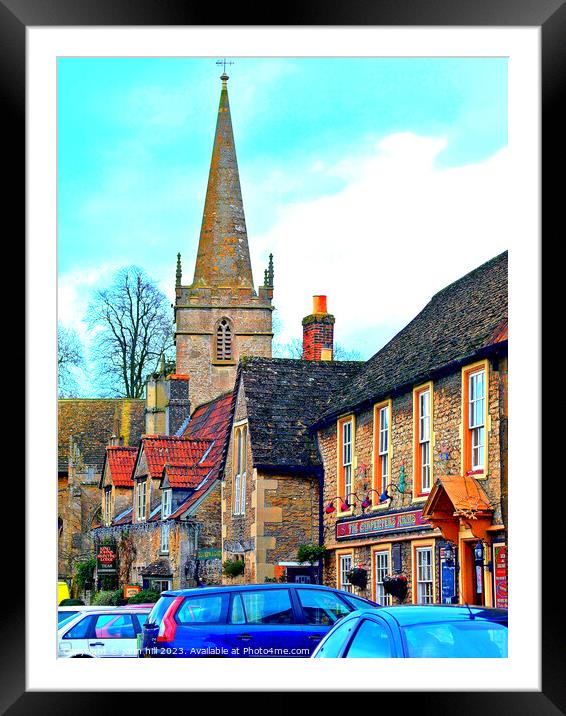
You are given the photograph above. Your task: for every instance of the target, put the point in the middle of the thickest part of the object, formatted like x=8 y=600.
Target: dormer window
x=141 y=500
x=224 y=340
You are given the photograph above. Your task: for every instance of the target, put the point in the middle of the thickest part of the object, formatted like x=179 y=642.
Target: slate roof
x=92 y=421
x=169 y=449
x=284 y=397
x=120 y=461
x=458 y=322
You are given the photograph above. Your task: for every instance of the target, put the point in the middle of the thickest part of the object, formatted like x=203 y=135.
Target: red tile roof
x=172 y=450
x=121 y=461
x=186 y=476
x=210 y=421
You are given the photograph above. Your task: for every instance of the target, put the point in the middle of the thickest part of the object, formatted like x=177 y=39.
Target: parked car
x=435 y=631
x=256 y=620
x=102 y=632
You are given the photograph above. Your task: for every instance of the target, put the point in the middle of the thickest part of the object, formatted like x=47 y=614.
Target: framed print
x=356 y=129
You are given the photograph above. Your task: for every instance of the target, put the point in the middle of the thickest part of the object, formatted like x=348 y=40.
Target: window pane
x=201 y=610
x=345 y=567
x=268 y=607
x=80 y=630
x=371 y=640
x=237 y=615
x=114 y=626
x=381 y=570
x=334 y=643
x=322 y=608
x=469 y=639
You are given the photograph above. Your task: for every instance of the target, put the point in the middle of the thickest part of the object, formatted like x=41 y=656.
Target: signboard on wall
x=130 y=590
x=106 y=561
x=500 y=575
x=381 y=524
x=209 y=553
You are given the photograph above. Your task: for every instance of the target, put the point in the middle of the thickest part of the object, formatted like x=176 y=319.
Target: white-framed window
x=424 y=439
x=476 y=418
x=166 y=503
x=381 y=569
x=345 y=565
x=108 y=505
x=347 y=457
x=424 y=575
x=141 y=501
x=240 y=468
x=383 y=447
x=165 y=537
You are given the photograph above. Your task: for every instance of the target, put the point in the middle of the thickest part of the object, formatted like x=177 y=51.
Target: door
x=113 y=635
x=263 y=623
x=321 y=609
x=473 y=586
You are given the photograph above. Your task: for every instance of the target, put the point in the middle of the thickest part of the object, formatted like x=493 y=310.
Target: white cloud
x=400 y=230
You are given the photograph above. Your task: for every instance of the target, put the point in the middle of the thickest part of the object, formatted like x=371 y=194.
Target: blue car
x=438 y=631
x=256 y=620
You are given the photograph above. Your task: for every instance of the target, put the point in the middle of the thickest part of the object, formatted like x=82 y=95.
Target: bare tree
x=69 y=355
x=132 y=327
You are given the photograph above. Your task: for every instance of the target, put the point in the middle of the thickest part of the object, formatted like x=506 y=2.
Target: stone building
x=85 y=427
x=273 y=476
x=220 y=316
x=163 y=518
x=414 y=450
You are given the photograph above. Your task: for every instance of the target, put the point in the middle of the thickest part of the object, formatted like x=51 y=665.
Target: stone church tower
x=220 y=317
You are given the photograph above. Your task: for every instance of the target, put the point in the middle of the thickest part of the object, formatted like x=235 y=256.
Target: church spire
x=223 y=258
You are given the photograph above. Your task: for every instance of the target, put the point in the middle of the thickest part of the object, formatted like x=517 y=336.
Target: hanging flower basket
x=358 y=577
x=396 y=585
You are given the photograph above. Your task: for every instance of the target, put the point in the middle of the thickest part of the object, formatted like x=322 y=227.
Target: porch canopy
x=457 y=500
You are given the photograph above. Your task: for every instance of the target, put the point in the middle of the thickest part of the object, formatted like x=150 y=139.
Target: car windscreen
x=453 y=640
x=63 y=617
x=159 y=609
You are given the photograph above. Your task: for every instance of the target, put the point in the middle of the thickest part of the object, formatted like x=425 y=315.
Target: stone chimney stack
x=166 y=402
x=178 y=407
x=318 y=332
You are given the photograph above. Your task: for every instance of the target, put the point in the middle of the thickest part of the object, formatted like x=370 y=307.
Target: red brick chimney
x=318 y=332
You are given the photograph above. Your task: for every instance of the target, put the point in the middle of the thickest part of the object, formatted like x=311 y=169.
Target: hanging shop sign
x=382 y=524
x=106 y=560
x=500 y=575
x=203 y=554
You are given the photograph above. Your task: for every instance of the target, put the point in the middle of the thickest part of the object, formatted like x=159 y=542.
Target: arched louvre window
x=224 y=340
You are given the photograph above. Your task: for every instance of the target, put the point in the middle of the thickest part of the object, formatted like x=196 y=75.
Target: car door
x=113 y=635
x=263 y=623
x=74 y=638
x=201 y=621
x=321 y=609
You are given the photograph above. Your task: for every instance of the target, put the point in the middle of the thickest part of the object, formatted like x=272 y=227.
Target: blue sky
x=366 y=178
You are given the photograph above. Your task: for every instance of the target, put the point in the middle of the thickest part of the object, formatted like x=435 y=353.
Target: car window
x=372 y=640
x=205 y=609
x=142 y=618
x=358 y=603
x=268 y=606
x=80 y=630
x=466 y=639
x=65 y=616
x=332 y=645
x=237 y=615
x=322 y=608
x=159 y=609
x=114 y=626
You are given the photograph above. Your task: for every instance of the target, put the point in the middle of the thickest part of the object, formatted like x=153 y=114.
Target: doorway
x=473 y=578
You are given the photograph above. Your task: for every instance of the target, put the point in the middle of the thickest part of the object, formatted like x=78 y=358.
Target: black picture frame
x=550 y=16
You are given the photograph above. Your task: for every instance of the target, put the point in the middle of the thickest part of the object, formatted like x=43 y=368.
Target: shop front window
x=381 y=570
x=345 y=567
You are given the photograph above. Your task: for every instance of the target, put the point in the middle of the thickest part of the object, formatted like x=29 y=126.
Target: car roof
x=410 y=614
x=247 y=588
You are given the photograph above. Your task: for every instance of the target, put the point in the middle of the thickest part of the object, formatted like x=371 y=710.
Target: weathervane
x=224 y=62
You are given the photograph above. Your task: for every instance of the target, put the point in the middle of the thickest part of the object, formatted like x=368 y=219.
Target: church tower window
x=224 y=340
